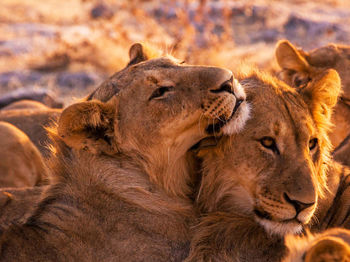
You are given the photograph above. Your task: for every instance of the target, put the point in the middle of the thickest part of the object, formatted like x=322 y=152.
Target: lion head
x=300 y=67
x=154 y=111
x=274 y=170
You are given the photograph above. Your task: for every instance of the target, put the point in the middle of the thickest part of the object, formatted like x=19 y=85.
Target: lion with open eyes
x=266 y=181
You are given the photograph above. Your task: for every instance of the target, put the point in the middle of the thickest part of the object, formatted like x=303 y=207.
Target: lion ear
x=289 y=58
x=324 y=57
x=137 y=54
x=89 y=126
x=322 y=93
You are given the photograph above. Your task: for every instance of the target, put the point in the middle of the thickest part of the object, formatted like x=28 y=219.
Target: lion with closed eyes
x=120 y=173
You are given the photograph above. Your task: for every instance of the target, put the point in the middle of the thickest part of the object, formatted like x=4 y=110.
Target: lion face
x=300 y=67
x=273 y=171
x=161 y=109
x=176 y=103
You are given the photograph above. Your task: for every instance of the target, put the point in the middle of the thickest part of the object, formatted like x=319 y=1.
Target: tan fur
x=18 y=204
x=32 y=122
x=299 y=67
x=242 y=195
x=332 y=212
x=25 y=104
x=21 y=163
x=121 y=182
x=329 y=246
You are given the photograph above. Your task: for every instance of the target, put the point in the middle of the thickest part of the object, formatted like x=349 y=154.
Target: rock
x=101 y=11
x=76 y=79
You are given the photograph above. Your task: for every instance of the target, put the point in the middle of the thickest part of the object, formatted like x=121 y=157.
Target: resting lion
x=32 y=122
x=299 y=67
x=266 y=181
x=120 y=172
x=21 y=163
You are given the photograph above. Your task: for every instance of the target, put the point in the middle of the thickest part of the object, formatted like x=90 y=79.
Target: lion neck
x=233 y=237
x=120 y=175
x=167 y=164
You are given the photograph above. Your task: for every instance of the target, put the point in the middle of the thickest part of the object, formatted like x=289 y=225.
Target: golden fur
x=300 y=67
x=266 y=181
x=330 y=246
x=21 y=163
x=32 y=122
x=25 y=104
x=120 y=172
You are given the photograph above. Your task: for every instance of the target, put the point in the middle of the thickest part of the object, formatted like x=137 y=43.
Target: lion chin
x=280 y=228
x=238 y=120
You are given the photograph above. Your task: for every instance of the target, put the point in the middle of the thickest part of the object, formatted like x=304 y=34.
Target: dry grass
x=62 y=34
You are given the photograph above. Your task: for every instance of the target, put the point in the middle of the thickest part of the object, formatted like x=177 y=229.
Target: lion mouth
x=216 y=127
x=267 y=216
x=282 y=227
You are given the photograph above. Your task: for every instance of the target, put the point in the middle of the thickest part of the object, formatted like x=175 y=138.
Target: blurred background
x=69 y=47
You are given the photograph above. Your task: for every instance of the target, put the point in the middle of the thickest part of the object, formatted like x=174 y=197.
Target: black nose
x=298 y=205
x=225 y=87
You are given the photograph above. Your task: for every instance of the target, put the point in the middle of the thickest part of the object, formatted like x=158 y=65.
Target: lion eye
x=313 y=143
x=159 y=92
x=300 y=81
x=269 y=143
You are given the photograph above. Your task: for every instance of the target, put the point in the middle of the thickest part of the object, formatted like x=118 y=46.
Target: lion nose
x=298 y=205
x=226 y=86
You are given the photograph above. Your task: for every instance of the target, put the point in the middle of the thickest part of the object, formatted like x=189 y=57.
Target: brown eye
x=313 y=143
x=269 y=143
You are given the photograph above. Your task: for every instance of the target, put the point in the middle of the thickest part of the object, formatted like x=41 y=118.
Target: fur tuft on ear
x=89 y=126
x=324 y=89
x=289 y=58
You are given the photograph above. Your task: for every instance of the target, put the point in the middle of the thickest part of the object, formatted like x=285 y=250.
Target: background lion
x=120 y=183
x=300 y=67
x=267 y=181
x=21 y=163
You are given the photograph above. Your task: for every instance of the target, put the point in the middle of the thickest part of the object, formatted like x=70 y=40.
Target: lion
x=300 y=67
x=21 y=163
x=25 y=104
x=120 y=184
x=40 y=95
x=32 y=121
x=266 y=181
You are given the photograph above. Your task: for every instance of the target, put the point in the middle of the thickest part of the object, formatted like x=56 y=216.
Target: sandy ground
x=69 y=47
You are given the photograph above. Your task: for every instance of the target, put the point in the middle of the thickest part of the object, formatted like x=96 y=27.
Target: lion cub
x=267 y=181
x=121 y=175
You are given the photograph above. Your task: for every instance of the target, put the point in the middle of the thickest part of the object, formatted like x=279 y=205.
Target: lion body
x=121 y=179
x=32 y=121
x=21 y=163
x=299 y=67
x=267 y=181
